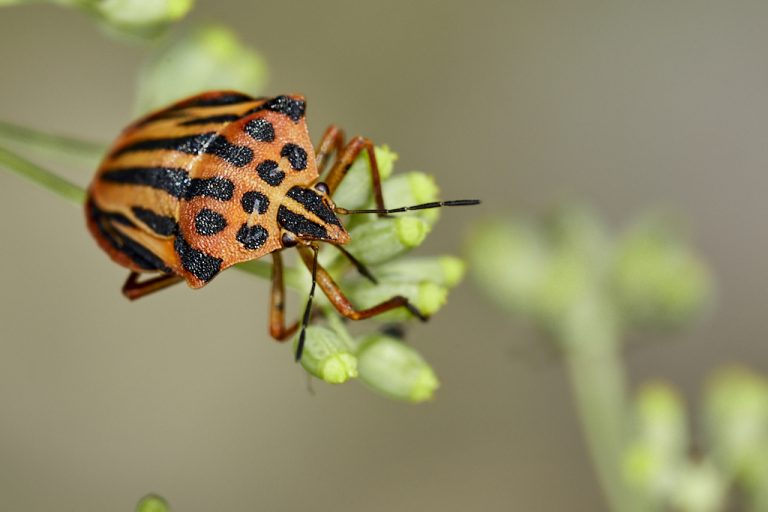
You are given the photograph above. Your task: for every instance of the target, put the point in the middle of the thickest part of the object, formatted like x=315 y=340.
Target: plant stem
x=592 y=352
x=90 y=151
x=43 y=177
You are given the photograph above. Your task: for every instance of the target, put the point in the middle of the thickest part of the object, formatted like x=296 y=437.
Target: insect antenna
x=308 y=309
x=424 y=206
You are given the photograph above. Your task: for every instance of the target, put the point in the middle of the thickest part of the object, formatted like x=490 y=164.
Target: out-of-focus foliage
x=134 y=19
x=152 y=503
x=204 y=59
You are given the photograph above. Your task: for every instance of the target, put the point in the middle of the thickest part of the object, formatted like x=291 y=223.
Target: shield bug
x=222 y=178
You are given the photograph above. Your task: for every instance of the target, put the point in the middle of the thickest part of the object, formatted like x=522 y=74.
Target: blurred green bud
x=208 y=58
x=327 y=356
x=152 y=503
x=395 y=369
x=508 y=261
x=445 y=271
x=384 y=239
x=736 y=406
x=654 y=459
x=657 y=279
x=701 y=488
x=409 y=189
x=427 y=296
x=356 y=189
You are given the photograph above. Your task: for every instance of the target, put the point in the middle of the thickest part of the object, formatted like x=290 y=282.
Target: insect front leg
x=277 y=327
x=332 y=142
x=342 y=303
x=133 y=289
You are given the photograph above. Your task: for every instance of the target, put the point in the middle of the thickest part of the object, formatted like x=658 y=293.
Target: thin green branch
x=58 y=144
x=43 y=177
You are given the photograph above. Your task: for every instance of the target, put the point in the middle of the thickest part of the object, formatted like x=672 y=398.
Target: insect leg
x=342 y=303
x=344 y=161
x=133 y=289
x=332 y=142
x=277 y=327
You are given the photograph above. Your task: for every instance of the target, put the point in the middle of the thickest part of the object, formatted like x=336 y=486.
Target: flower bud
x=152 y=503
x=209 y=58
x=736 y=406
x=137 y=18
x=409 y=189
x=395 y=369
x=654 y=459
x=381 y=240
x=327 y=356
x=701 y=488
x=356 y=189
x=508 y=261
x=442 y=270
x=657 y=280
x=427 y=296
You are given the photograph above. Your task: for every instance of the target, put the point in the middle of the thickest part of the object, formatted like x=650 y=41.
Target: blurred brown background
x=621 y=104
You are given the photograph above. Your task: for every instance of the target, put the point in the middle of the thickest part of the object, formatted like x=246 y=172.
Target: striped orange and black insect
x=222 y=178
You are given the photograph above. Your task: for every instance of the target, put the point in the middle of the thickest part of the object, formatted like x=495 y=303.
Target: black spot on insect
x=173 y=180
x=202 y=266
x=300 y=225
x=295 y=155
x=252 y=237
x=238 y=156
x=270 y=172
x=290 y=107
x=260 y=130
x=216 y=187
x=254 y=201
x=160 y=224
x=209 y=222
x=312 y=202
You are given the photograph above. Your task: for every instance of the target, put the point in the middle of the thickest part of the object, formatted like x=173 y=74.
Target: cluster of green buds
x=560 y=269
x=382 y=361
x=658 y=461
x=140 y=19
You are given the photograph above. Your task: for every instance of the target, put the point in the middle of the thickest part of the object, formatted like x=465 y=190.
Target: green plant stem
x=57 y=144
x=593 y=359
x=43 y=177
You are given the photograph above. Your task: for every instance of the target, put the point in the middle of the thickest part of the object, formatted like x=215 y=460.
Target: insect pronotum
x=222 y=178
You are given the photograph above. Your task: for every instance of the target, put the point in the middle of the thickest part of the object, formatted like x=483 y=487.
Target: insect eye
x=322 y=187
x=289 y=240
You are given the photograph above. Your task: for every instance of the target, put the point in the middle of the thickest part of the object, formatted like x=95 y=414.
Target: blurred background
x=620 y=105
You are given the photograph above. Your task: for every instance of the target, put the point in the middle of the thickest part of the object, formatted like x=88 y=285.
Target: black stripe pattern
x=133 y=250
x=290 y=107
x=216 y=188
x=162 y=225
x=208 y=142
x=313 y=203
x=300 y=225
x=221 y=118
x=172 y=180
x=202 y=266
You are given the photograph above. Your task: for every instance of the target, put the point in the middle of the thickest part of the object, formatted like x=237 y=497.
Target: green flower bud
x=657 y=280
x=736 y=406
x=442 y=270
x=327 y=356
x=208 y=58
x=654 y=459
x=427 y=296
x=410 y=189
x=381 y=240
x=152 y=503
x=135 y=18
x=395 y=369
x=508 y=261
x=356 y=189
x=701 y=488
